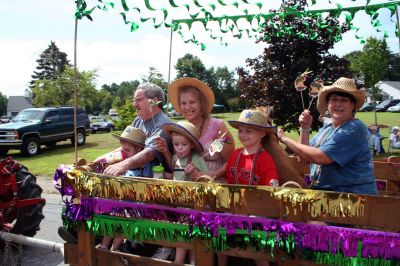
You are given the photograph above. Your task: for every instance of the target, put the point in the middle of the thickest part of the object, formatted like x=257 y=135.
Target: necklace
x=252 y=177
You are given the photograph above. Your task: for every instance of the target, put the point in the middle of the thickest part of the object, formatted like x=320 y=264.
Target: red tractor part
x=20 y=199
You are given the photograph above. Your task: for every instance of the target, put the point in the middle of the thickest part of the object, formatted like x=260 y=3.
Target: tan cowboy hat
x=178 y=84
x=345 y=85
x=254 y=118
x=186 y=129
x=132 y=135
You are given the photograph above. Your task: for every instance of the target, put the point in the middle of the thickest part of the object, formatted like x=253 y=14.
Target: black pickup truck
x=36 y=126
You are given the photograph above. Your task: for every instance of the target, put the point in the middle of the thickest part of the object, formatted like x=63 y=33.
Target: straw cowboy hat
x=345 y=85
x=254 y=118
x=177 y=85
x=186 y=129
x=132 y=135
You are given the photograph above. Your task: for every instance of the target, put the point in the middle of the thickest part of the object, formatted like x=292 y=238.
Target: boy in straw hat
x=131 y=141
x=339 y=154
x=186 y=161
x=252 y=165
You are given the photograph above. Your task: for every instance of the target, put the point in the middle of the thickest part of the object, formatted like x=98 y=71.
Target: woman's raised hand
x=305 y=120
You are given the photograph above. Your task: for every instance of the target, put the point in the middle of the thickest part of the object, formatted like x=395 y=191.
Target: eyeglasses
x=138 y=100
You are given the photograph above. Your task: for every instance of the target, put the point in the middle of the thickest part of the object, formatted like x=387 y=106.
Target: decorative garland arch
x=250 y=24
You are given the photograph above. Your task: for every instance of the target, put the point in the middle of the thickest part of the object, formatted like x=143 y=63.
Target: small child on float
x=186 y=161
x=251 y=164
x=131 y=141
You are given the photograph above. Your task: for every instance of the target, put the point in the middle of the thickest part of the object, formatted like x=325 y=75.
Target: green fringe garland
x=142 y=229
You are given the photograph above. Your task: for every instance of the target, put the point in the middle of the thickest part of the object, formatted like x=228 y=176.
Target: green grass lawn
x=47 y=161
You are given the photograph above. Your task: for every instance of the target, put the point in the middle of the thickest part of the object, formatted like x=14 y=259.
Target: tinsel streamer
x=186 y=194
x=258 y=240
x=205 y=13
x=316 y=237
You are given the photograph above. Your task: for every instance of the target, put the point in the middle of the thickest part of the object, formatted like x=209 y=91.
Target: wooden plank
x=71 y=254
x=112 y=258
x=86 y=248
x=387 y=171
x=204 y=254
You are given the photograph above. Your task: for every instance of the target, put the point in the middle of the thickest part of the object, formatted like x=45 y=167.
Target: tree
x=154 y=76
x=220 y=80
x=270 y=80
x=226 y=86
x=59 y=92
x=190 y=66
x=3 y=104
x=372 y=63
x=394 y=67
x=51 y=64
x=126 y=114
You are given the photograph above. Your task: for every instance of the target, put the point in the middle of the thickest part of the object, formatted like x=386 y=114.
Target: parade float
x=272 y=223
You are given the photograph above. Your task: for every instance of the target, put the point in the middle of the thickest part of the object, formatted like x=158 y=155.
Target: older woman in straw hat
x=195 y=100
x=340 y=156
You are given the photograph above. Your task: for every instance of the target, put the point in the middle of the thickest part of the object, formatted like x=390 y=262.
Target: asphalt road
x=34 y=256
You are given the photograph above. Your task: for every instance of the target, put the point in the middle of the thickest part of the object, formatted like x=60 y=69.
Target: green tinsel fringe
x=339 y=260
x=138 y=229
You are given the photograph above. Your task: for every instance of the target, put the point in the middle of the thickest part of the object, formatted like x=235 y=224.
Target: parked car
x=383 y=106
x=34 y=127
x=367 y=107
x=394 y=109
x=5 y=119
x=104 y=125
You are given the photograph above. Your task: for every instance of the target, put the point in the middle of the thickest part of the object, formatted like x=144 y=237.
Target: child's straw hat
x=254 y=118
x=186 y=129
x=132 y=135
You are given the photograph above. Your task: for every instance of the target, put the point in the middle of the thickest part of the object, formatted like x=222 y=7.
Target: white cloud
x=17 y=63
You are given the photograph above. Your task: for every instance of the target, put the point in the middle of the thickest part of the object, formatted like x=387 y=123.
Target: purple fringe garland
x=375 y=244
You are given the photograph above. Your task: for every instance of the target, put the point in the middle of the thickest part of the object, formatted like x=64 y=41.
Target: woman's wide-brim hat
x=132 y=135
x=254 y=118
x=186 y=129
x=345 y=85
x=178 y=84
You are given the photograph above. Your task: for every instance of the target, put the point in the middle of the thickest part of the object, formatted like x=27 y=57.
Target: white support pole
x=30 y=241
x=169 y=68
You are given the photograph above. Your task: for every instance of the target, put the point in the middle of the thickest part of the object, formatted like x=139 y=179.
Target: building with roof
x=17 y=103
x=390 y=89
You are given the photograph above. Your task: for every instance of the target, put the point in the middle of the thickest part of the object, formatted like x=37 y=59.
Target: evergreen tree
x=270 y=80
x=51 y=64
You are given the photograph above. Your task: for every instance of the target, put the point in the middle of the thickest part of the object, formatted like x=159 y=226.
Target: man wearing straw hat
x=340 y=156
x=147 y=100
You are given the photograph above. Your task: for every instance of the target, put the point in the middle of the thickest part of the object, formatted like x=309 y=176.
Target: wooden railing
x=386 y=171
x=283 y=206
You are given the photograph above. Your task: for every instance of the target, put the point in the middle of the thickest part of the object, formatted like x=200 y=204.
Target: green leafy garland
x=229 y=24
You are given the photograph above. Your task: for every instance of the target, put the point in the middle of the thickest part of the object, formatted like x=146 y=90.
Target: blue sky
x=106 y=44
